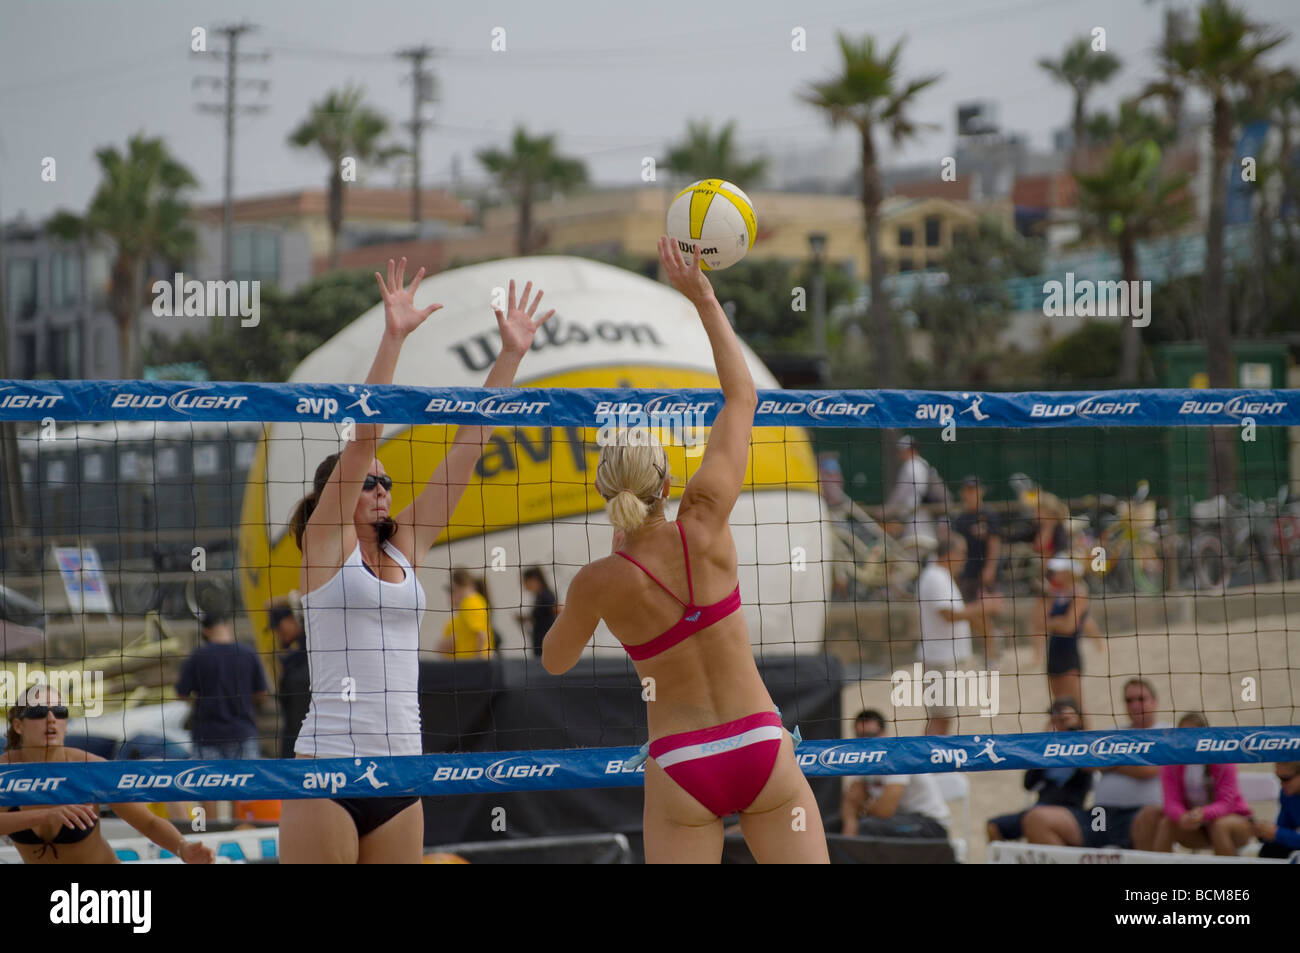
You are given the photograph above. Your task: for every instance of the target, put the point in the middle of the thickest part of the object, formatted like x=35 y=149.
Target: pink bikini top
x=694 y=618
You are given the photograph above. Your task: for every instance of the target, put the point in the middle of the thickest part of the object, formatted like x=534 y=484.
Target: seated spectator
x=1282 y=838
x=893 y=805
x=1127 y=797
x=1063 y=787
x=1203 y=805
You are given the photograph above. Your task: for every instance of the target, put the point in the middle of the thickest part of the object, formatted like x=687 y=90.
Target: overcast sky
x=615 y=81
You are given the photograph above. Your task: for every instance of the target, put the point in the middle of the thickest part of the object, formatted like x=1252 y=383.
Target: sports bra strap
x=651 y=575
x=690 y=589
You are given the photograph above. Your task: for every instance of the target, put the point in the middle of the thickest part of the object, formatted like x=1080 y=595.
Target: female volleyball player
x=717 y=746
x=70 y=833
x=363 y=603
x=1065 y=614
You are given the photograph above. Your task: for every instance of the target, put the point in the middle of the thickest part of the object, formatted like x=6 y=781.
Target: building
x=56 y=306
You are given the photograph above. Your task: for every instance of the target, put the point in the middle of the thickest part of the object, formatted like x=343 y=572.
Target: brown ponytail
x=13 y=740
x=307 y=505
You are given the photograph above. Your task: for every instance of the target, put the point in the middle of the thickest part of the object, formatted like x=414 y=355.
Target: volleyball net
x=144 y=506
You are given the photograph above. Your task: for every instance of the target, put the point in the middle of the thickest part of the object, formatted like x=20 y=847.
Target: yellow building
x=915 y=233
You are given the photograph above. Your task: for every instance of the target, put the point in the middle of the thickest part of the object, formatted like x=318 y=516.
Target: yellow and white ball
x=716 y=216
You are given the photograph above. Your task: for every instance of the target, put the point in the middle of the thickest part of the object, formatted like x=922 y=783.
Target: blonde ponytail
x=630 y=476
x=626 y=512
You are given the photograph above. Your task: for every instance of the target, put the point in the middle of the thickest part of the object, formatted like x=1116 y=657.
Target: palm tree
x=138 y=207
x=1219 y=58
x=1081 y=68
x=1126 y=200
x=531 y=170
x=341 y=126
x=869 y=94
x=702 y=155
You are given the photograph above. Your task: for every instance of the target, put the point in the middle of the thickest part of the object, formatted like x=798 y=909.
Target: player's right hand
x=689 y=279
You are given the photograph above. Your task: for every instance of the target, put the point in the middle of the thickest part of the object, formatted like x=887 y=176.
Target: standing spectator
x=468 y=635
x=1129 y=795
x=1283 y=837
x=945 y=623
x=1203 y=806
x=295 y=676
x=982 y=530
x=1063 y=787
x=224 y=677
x=544 y=607
x=918 y=484
x=892 y=805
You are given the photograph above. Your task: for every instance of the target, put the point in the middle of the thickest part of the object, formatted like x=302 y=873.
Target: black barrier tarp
x=515 y=705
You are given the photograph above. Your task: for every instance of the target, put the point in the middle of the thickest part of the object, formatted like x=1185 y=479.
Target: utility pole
x=422 y=91
x=232 y=56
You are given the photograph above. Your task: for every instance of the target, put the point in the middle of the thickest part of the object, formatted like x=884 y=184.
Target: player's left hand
x=195 y=853
x=517 y=325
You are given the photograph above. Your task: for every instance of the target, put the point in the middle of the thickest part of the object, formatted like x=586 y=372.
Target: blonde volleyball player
x=363 y=604
x=669 y=594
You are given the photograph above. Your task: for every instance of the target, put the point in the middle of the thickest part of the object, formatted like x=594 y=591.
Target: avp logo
x=324 y=407
x=503 y=770
x=939 y=412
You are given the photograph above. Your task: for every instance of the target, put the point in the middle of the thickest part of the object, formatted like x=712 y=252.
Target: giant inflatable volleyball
x=531 y=501
x=716 y=216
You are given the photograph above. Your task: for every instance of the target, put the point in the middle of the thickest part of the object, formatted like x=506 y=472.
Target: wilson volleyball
x=716 y=216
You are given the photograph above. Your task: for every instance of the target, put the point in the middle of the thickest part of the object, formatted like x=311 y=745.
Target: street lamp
x=817 y=242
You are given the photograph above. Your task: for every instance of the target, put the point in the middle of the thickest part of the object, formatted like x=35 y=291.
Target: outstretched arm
x=329 y=533
x=429 y=514
x=713 y=490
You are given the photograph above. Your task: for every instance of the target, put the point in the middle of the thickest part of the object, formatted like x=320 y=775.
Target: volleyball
x=718 y=217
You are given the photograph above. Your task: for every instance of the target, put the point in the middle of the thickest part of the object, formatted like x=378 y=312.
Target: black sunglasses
x=372 y=481
x=35 y=712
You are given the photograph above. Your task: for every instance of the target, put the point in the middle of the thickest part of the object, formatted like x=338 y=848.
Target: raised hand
x=686 y=278
x=401 y=317
x=516 y=325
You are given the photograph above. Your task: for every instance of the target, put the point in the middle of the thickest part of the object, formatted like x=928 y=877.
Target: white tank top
x=363 y=639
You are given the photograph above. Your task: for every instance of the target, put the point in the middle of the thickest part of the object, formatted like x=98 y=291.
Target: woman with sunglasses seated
x=362 y=605
x=70 y=833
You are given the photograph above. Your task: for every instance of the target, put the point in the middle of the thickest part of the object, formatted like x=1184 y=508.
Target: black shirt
x=1059 y=787
x=543 y=618
x=977 y=528
x=295 y=696
x=224 y=675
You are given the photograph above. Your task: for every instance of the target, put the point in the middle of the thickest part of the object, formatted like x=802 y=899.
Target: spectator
x=1062 y=787
x=224 y=678
x=468 y=635
x=982 y=530
x=544 y=607
x=1203 y=806
x=895 y=805
x=1283 y=837
x=945 y=624
x=1129 y=795
x=918 y=486
x=295 y=676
